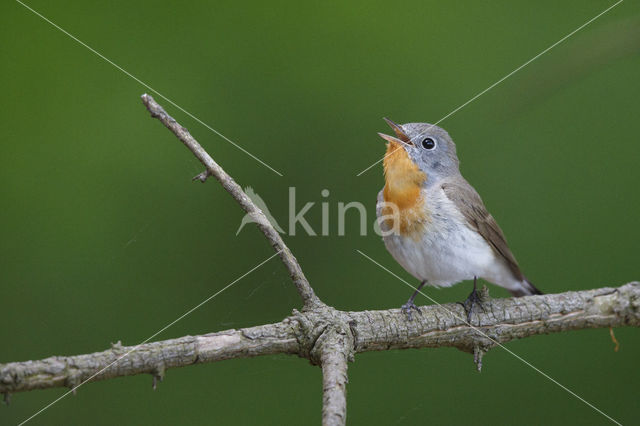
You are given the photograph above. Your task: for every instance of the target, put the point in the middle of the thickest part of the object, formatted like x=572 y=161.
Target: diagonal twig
x=309 y=299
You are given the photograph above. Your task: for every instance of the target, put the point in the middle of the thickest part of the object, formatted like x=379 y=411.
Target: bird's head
x=419 y=152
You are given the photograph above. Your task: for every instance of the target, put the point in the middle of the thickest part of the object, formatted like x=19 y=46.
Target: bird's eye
x=428 y=143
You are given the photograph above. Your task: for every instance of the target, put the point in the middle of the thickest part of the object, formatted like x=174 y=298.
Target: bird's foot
x=474 y=302
x=408 y=307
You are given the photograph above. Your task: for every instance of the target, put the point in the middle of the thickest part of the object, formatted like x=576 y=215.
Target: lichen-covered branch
x=329 y=337
x=213 y=169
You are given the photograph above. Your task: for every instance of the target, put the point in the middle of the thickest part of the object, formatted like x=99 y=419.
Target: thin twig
x=305 y=291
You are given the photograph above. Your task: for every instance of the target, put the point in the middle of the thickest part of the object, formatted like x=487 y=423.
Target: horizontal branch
x=306 y=334
x=150 y=358
x=229 y=184
x=503 y=320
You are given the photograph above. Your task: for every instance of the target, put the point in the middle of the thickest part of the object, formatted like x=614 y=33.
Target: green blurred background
x=103 y=237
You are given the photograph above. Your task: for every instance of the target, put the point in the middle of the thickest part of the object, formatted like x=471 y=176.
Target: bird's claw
x=408 y=307
x=473 y=302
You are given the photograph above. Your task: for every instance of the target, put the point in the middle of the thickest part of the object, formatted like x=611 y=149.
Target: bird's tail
x=525 y=289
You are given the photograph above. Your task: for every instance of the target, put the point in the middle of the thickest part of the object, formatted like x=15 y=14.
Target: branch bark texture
x=333 y=361
x=328 y=337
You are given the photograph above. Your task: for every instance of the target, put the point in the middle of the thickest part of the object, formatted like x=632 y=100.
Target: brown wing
x=470 y=204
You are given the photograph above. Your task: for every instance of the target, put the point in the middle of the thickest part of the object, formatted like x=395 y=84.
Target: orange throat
x=403 y=184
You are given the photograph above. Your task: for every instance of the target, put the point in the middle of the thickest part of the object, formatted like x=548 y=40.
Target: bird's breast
x=405 y=209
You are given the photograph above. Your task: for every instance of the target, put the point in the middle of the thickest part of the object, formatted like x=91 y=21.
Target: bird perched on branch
x=434 y=223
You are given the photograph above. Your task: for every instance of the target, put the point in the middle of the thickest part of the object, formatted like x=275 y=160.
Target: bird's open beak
x=402 y=138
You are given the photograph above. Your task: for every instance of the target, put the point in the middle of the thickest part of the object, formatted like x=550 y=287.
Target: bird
x=434 y=223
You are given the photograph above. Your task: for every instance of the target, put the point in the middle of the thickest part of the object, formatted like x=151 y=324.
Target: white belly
x=449 y=251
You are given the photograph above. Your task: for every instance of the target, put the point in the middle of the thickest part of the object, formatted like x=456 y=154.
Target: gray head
x=428 y=146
